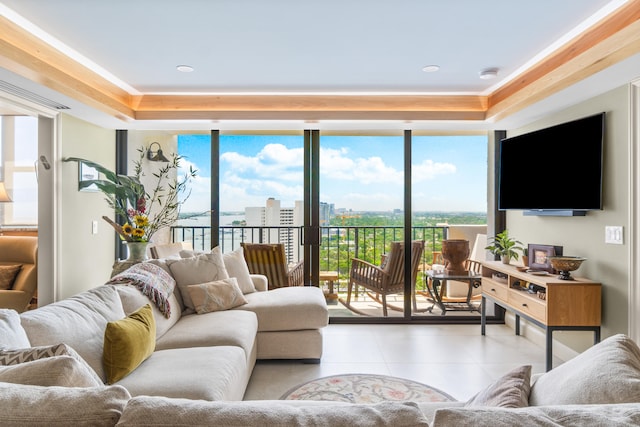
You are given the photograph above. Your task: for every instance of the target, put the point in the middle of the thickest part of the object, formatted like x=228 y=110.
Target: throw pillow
x=128 y=343
x=12 y=334
x=63 y=371
x=237 y=267
x=608 y=372
x=509 y=391
x=15 y=357
x=216 y=296
x=8 y=275
x=198 y=269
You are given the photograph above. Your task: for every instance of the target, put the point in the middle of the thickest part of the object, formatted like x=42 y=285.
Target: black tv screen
x=554 y=169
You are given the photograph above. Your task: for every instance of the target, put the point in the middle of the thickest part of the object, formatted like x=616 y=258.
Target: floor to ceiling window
x=449 y=200
x=361 y=198
x=260 y=179
x=18 y=174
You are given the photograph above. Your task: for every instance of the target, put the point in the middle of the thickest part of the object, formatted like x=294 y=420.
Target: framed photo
x=86 y=173
x=539 y=256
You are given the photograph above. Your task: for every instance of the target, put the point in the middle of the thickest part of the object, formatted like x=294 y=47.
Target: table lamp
x=4 y=197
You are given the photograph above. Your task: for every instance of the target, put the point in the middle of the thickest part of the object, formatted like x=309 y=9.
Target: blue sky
x=356 y=172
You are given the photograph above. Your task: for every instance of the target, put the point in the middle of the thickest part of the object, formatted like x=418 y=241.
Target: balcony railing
x=338 y=244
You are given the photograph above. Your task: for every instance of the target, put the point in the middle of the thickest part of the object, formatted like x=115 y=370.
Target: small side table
x=437 y=286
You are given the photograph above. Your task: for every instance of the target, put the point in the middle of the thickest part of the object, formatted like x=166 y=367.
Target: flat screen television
x=556 y=170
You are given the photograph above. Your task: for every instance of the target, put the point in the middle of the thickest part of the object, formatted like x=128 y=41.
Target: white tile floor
x=453 y=358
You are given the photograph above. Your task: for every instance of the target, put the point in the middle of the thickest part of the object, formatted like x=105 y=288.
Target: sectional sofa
x=206 y=354
x=61 y=364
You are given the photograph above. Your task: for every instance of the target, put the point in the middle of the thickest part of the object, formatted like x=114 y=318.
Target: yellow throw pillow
x=128 y=342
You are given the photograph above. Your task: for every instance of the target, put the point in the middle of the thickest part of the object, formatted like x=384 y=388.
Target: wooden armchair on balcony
x=269 y=260
x=388 y=279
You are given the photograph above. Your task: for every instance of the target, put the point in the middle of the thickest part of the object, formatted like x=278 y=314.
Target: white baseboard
x=536 y=335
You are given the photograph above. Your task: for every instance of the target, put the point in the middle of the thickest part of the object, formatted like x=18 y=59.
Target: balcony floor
x=365 y=305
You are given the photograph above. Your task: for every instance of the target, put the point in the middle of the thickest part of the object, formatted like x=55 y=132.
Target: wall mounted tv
x=553 y=171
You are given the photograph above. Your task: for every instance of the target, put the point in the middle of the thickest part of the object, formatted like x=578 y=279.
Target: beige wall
x=584 y=236
x=85 y=259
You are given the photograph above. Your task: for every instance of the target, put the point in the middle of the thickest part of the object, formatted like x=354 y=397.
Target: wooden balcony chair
x=269 y=260
x=388 y=279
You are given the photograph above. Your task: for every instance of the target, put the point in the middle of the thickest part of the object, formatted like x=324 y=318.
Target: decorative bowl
x=565 y=265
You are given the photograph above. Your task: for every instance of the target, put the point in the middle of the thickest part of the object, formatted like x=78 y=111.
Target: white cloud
x=428 y=170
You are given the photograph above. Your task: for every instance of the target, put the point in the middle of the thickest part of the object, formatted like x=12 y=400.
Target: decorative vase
x=506 y=259
x=525 y=260
x=454 y=253
x=137 y=251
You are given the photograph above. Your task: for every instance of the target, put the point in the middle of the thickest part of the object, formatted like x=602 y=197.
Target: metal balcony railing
x=338 y=244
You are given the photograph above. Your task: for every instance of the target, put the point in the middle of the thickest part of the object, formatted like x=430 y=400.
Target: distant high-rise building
x=281 y=225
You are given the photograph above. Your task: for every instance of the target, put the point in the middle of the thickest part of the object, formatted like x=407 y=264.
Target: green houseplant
x=145 y=211
x=505 y=246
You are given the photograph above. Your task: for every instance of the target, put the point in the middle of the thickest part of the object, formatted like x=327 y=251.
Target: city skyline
x=359 y=173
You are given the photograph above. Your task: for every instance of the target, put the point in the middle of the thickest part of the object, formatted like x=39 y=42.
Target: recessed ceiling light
x=184 y=68
x=489 y=73
x=430 y=68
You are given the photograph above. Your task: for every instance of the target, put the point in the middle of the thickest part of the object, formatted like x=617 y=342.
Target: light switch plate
x=94 y=227
x=613 y=235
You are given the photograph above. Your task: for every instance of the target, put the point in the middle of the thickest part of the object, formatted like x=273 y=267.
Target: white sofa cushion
x=207 y=373
x=29 y=405
x=12 y=334
x=218 y=328
x=288 y=309
x=620 y=415
x=269 y=413
x=608 y=372
x=78 y=321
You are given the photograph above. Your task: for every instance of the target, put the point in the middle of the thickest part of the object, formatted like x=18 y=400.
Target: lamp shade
x=4 y=197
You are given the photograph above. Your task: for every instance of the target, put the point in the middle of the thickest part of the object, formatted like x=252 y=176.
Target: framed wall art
x=86 y=173
x=539 y=256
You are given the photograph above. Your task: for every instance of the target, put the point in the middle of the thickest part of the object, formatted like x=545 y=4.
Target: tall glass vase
x=137 y=251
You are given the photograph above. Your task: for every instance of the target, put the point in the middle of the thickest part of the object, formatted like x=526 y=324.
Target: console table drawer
x=528 y=306
x=495 y=290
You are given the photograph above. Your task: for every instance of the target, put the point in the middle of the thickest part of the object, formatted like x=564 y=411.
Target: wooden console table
x=569 y=305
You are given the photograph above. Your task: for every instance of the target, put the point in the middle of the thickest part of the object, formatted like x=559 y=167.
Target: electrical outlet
x=613 y=235
x=94 y=227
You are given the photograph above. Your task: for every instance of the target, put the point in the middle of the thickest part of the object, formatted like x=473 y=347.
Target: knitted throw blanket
x=153 y=281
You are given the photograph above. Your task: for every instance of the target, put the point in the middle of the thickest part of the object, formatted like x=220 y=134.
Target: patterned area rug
x=366 y=388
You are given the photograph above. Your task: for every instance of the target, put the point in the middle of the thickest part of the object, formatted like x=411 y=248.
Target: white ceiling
x=312 y=46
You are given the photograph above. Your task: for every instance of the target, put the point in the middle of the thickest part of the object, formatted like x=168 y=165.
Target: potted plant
x=145 y=212
x=505 y=246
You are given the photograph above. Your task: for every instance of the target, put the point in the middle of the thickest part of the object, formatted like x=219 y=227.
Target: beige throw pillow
x=198 y=269
x=509 y=391
x=217 y=296
x=63 y=371
x=608 y=372
x=15 y=357
x=237 y=267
